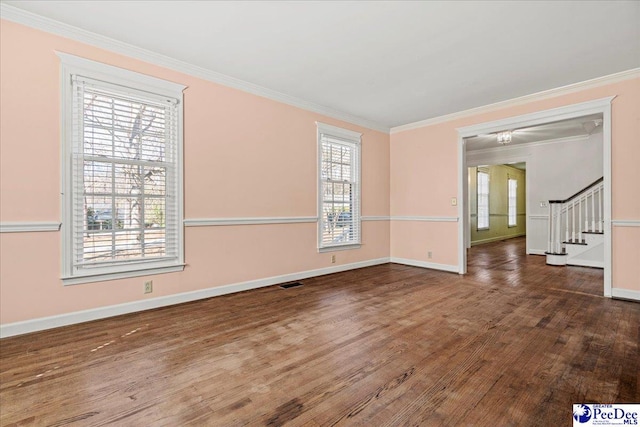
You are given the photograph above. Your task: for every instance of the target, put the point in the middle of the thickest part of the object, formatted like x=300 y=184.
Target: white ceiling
x=391 y=63
x=577 y=127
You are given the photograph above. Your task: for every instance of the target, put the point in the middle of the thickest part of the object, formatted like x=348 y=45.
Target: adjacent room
x=318 y=213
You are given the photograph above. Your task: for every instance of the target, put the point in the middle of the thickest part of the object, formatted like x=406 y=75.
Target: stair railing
x=575 y=215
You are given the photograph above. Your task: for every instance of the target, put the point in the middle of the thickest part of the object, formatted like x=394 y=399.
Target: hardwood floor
x=513 y=343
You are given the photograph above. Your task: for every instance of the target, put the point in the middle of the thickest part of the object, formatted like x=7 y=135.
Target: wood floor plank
x=512 y=343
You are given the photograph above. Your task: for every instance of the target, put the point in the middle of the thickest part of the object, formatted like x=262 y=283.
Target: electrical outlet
x=333 y=259
x=148 y=287
x=454 y=201
x=429 y=255
x=544 y=204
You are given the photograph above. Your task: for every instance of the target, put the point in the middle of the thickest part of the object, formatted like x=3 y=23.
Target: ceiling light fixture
x=504 y=137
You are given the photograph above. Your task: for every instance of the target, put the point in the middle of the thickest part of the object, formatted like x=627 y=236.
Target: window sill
x=101 y=277
x=339 y=247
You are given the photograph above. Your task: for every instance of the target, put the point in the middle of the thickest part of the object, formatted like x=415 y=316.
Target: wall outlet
x=429 y=255
x=454 y=201
x=544 y=204
x=333 y=259
x=148 y=287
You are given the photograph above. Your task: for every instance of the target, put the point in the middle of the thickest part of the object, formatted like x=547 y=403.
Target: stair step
x=575 y=242
x=593 y=232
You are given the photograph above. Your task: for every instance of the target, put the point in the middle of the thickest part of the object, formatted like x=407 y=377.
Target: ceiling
x=390 y=63
x=576 y=127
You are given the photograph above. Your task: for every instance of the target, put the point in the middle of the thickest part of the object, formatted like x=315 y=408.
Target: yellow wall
x=498 y=204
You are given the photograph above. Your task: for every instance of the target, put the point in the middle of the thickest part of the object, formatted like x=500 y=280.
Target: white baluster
x=558 y=232
x=551 y=224
x=580 y=219
x=593 y=210
x=600 y=202
x=573 y=221
x=566 y=221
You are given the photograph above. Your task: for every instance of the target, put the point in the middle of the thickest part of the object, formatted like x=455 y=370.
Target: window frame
x=137 y=83
x=355 y=140
x=515 y=203
x=478 y=172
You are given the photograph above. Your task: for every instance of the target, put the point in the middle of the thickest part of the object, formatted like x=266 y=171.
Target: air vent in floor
x=290 y=285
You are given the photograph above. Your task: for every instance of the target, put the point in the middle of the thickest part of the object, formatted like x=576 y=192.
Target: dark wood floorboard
x=512 y=343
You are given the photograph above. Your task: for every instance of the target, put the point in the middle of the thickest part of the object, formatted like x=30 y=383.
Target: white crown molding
x=628 y=294
x=43 y=323
x=28 y=227
x=38 y=22
x=375 y=218
x=539 y=96
x=425 y=218
x=625 y=222
x=424 y=264
x=208 y=222
x=511 y=148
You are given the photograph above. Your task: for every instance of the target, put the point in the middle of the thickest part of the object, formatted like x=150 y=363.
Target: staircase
x=576 y=234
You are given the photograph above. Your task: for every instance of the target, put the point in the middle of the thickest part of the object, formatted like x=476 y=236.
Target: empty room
x=229 y=213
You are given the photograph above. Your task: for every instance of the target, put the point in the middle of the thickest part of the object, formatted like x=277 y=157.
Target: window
x=483 y=200
x=513 y=216
x=339 y=188
x=123 y=173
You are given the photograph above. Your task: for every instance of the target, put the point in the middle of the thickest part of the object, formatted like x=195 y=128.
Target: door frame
x=601 y=106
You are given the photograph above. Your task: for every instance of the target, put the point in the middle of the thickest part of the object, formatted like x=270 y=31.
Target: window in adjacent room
x=513 y=188
x=122 y=203
x=483 y=200
x=338 y=188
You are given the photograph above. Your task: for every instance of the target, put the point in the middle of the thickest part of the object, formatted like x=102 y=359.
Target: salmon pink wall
x=424 y=177
x=244 y=156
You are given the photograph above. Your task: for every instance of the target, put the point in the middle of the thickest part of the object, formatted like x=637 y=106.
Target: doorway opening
x=551 y=169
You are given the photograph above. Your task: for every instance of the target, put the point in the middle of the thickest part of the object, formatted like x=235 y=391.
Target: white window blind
x=483 y=200
x=339 y=188
x=124 y=180
x=513 y=190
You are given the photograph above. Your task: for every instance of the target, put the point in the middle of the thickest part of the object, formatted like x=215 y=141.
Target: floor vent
x=290 y=285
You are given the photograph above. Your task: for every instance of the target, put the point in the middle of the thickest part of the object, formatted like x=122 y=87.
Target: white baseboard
x=625 y=294
x=497 y=239
x=425 y=264
x=43 y=323
x=536 y=252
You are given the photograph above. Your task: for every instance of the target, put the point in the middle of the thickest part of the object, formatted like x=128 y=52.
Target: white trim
x=354 y=141
x=375 y=218
x=539 y=96
x=28 y=226
x=625 y=222
x=424 y=218
x=71 y=66
x=539 y=217
x=585 y=263
x=208 y=222
x=108 y=73
x=43 y=323
x=628 y=294
x=23 y=17
x=353 y=136
x=602 y=106
x=538 y=117
x=424 y=264
x=76 y=280
x=506 y=149
x=536 y=252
